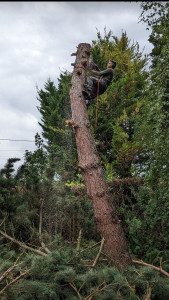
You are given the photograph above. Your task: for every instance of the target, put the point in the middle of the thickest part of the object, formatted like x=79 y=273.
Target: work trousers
x=92 y=86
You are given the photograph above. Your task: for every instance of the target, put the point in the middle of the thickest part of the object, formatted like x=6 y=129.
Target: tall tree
x=120 y=105
x=119 y=108
x=153 y=126
x=55 y=109
x=108 y=224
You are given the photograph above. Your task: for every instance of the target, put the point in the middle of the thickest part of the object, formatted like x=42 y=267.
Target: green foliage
x=20 y=193
x=66 y=214
x=55 y=110
x=120 y=104
x=152 y=127
x=132 y=140
x=145 y=215
x=57 y=277
x=31 y=190
x=155 y=14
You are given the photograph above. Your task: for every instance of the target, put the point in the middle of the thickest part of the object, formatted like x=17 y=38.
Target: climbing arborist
x=100 y=82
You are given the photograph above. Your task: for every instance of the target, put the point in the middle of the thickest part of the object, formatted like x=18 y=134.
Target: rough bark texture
x=106 y=217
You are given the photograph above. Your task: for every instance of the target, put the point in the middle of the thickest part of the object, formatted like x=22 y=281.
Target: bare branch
x=2 y=221
x=79 y=240
x=22 y=244
x=75 y=289
x=7 y=272
x=148 y=296
x=10 y=269
x=13 y=281
x=98 y=254
x=40 y=228
x=152 y=266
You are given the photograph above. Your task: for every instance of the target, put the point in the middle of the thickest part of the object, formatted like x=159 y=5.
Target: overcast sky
x=36 y=41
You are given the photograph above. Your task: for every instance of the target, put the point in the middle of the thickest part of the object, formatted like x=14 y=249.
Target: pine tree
x=108 y=225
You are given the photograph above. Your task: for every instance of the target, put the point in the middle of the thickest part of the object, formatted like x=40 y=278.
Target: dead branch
x=79 y=240
x=40 y=219
x=70 y=123
x=98 y=289
x=10 y=269
x=7 y=272
x=90 y=247
x=2 y=221
x=45 y=248
x=40 y=228
x=13 y=281
x=151 y=266
x=98 y=254
x=22 y=244
x=148 y=296
x=74 y=54
x=75 y=289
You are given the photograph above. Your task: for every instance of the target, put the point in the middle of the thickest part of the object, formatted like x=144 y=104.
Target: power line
x=12 y=150
x=11 y=140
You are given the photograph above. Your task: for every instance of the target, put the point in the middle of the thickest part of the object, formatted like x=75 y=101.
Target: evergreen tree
x=55 y=110
x=20 y=195
x=8 y=189
x=119 y=108
x=154 y=123
x=120 y=105
x=152 y=130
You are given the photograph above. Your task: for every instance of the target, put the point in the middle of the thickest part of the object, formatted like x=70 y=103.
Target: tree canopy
x=50 y=248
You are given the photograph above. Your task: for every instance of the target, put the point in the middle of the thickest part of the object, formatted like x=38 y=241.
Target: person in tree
x=101 y=81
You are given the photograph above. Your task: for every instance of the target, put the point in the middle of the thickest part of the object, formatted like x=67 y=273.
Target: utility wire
x=17 y=140
x=12 y=150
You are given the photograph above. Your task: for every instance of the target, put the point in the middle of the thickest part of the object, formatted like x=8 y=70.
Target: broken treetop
x=106 y=75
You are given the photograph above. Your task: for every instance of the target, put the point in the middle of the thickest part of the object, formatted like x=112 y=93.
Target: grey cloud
x=36 y=41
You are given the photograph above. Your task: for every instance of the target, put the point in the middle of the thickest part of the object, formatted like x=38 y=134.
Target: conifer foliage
x=49 y=245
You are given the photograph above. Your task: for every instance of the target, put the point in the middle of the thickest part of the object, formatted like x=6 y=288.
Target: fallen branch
x=22 y=244
x=10 y=269
x=152 y=266
x=2 y=221
x=90 y=247
x=13 y=281
x=148 y=296
x=98 y=289
x=75 y=289
x=98 y=254
x=45 y=248
x=7 y=272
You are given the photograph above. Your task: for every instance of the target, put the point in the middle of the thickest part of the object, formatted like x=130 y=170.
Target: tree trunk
x=108 y=224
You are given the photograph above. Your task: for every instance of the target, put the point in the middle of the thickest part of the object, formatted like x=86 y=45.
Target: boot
x=85 y=93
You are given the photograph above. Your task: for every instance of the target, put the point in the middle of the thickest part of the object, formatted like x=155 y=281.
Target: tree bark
x=108 y=224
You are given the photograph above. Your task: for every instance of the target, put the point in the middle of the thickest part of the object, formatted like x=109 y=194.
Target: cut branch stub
x=74 y=54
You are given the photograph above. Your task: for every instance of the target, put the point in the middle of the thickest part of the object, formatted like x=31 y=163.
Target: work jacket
x=106 y=75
